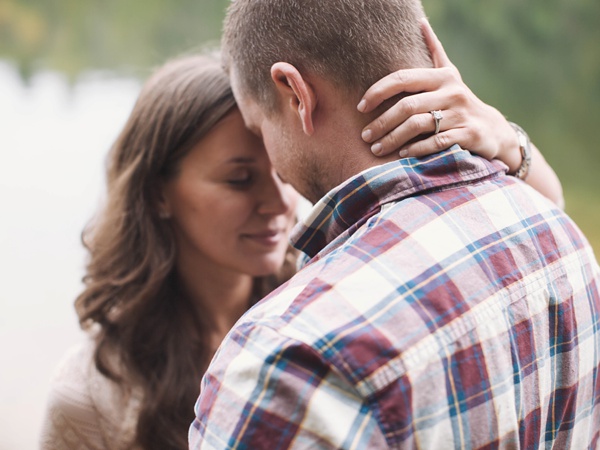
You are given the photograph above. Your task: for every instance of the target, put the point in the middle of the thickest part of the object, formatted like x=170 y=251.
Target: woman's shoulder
x=74 y=364
x=87 y=409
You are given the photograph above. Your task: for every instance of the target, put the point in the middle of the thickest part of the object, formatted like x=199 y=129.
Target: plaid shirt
x=446 y=305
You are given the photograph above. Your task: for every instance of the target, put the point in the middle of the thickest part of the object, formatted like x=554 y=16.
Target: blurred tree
x=129 y=36
x=539 y=63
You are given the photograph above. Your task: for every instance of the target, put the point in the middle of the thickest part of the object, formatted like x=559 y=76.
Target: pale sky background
x=53 y=142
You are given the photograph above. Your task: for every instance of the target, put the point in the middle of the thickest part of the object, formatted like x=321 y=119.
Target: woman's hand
x=408 y=126
x=466 y=121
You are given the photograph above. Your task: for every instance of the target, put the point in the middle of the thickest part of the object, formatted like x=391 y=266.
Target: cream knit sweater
x=85 y=409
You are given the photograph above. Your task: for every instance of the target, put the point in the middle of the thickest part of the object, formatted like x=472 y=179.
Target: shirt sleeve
x=267 y=391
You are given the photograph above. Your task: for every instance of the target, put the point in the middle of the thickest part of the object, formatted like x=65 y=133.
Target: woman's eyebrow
x=241 y=160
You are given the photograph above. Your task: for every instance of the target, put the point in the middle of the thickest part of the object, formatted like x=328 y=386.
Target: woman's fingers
x=438 y=54
x=417 y=126
x=411 y=80
x=432 y=144
x=437 y=142
x=409 y=126
x=407 y=81
x=449 y=93
x=401 y=111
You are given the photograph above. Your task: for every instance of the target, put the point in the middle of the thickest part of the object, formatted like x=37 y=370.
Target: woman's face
x=228 y=208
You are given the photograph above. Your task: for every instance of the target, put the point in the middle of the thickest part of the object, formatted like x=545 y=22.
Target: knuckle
x=401 y=137
x=461 y=117
x=401 y=77
x=452 y=72
x=409 y=105
x=472 y=135
x=418 y=149
x=455 y=72
x=448 y=72
x=459 y=95
x=392 y=140
x=381 y=124
x=441 y=141
x=477 y=138
x=416 y=124
x=375 y=92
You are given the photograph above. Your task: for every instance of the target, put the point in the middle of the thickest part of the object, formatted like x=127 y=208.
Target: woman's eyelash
x=241 y=181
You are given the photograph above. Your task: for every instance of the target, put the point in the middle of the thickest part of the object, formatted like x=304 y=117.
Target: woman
x=193 y=232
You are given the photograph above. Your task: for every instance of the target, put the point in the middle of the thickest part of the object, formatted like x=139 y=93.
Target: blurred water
x=53 y=142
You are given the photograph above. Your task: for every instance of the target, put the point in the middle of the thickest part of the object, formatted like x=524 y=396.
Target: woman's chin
x=266 y=267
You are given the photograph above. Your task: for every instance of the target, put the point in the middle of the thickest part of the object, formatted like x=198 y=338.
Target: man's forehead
x=250 y=109
x=251 y=115
x=234 y=80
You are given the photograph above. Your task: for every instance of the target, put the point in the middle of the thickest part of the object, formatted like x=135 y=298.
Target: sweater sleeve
x=71 y=420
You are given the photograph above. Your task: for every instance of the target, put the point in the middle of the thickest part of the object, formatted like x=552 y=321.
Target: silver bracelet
x=525 y=147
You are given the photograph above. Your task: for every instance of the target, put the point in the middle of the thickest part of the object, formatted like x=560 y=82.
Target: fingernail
x=377 y=148
x=362 y=105
x=367 y=135
x=403 y=153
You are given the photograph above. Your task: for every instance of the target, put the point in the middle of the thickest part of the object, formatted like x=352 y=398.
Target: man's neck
x=348 y=155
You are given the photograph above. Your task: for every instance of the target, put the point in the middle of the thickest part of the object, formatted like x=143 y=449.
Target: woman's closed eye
x=241 y=178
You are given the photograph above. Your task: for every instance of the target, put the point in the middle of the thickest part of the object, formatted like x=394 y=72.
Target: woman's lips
x=267 y=238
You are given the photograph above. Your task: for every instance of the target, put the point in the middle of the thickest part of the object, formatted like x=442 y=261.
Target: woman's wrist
x=524 y=151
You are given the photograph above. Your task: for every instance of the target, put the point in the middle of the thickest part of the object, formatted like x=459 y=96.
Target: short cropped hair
x=352 y=43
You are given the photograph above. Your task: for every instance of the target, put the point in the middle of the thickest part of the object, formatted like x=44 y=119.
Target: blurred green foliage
x=126 y=36
x=537 y=61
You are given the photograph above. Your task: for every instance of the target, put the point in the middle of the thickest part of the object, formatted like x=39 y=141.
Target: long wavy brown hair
x=148 y=332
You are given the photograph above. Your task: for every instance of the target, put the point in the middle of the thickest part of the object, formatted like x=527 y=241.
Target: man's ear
x=296 y=92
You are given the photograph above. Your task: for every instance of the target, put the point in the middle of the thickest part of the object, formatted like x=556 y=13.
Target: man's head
x=296 y=64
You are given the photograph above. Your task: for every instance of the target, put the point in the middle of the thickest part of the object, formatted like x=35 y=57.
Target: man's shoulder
x=333 y=313
x=424 y=248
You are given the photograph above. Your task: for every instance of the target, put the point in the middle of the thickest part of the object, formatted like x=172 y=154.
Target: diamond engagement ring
x=437 y=117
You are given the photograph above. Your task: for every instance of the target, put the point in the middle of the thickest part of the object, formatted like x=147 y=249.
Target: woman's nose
x=277 y=196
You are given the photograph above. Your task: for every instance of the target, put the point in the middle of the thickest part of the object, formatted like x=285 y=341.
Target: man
x=445 y=304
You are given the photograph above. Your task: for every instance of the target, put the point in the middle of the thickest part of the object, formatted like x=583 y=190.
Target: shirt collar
x=363 y=195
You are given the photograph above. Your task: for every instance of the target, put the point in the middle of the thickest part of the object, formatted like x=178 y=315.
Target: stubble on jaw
x=314 y=187
x=322 y=174
x=310 y=179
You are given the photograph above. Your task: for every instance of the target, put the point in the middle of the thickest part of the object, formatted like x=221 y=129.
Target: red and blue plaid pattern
x=445 y=305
